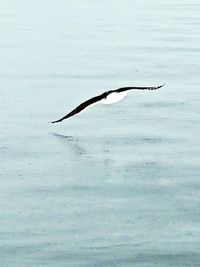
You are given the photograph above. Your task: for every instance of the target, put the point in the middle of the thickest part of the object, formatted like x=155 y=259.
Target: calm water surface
x=118 y=185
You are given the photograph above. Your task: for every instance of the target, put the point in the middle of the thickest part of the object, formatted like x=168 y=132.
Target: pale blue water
x=118 y=185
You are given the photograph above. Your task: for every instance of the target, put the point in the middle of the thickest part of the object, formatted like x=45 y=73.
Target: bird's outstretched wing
x=123 y=89
x=95 y=99
x=82 y=106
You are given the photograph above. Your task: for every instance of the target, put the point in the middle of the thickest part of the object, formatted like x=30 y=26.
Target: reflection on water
x=72 y=141
x=117 y=185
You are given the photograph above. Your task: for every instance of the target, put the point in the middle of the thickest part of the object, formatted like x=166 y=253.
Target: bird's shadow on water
x=73 y=141
x=105 y=145
x=90 y=146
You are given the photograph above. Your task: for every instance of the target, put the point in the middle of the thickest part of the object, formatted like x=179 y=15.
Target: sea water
x=119 y=184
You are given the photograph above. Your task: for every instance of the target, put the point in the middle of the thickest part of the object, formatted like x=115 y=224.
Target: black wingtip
x=56 y=121
x=156 y=87
x=162 y=85
x=159 y=86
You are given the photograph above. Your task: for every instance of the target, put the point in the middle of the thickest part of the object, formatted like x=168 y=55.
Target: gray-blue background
x=118 y=185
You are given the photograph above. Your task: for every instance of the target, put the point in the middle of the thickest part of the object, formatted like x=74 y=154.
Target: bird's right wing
x=81 y=107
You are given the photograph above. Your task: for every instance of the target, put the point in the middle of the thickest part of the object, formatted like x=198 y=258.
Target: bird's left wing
x=122 y=89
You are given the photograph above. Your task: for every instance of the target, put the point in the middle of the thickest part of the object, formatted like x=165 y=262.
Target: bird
x=108 y=97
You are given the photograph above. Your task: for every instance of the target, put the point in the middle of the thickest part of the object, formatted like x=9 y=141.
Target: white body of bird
x=113 y=98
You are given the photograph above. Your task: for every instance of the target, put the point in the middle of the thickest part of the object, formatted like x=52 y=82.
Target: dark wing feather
x=82 y=106
x=95 y=99
x=122 y=89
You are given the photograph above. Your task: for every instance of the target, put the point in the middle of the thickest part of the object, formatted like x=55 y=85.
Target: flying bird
x=107 y=97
